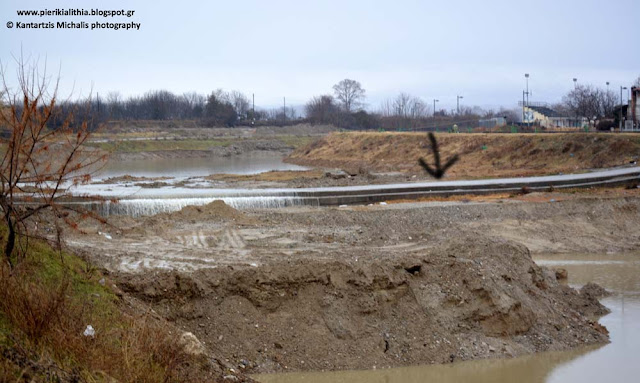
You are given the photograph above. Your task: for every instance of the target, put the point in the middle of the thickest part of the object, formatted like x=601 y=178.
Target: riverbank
x=481 y=155
x=63 y=320
x=155 y=140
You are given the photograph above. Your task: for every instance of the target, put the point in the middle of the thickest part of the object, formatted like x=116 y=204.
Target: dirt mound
x=594 y=290
x=216 y=210
x=466 y=298
x=482 y=155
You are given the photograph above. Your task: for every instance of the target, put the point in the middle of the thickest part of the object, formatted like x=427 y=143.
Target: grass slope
x=482 y=155
x=47 y=301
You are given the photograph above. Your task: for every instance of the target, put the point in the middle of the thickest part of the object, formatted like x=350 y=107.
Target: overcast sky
x=298 y=49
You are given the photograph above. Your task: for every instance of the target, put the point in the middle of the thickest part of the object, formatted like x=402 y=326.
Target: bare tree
x=607 y=100
x=240 y=102
x=114 y=105
x=38 y=164
x=589 y=101
x=221 y=95
x=350 y=93
x=194 y=104
x=409 y=107
x=637 y=82
x=219 y=111
x=322 y=109
x=404 y=111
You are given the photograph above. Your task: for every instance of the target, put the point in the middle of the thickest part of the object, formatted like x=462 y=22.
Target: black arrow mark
x=439 y=170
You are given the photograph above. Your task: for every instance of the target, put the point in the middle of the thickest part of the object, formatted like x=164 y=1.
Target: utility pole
x=434 y=107
x=284 y=109
x=526 y=76
x=606 y=105
x=253 y=109
x=458 y=103
x=621 y=89
x=523 y=105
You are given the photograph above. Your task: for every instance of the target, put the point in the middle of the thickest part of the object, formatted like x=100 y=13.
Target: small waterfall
x=150 y=206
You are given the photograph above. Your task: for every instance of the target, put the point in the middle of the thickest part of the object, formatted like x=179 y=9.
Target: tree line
x=345 y=107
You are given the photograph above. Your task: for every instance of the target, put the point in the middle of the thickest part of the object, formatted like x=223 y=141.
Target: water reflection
x=618 y=361
x=615 y=362
x=193 y=167
x=530 y=369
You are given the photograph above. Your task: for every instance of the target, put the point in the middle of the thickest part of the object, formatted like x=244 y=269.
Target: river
x=196 y=167
x=614 y=362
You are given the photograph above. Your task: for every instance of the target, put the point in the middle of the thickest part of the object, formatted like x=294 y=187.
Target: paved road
x=247 y=198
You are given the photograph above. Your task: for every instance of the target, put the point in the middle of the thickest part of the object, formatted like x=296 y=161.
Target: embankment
x=364 y=286
x=136 y=140
x=467 y=298
x=482 y=155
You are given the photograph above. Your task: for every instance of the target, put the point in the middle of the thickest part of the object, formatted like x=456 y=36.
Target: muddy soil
x=364 y=286
x=464 y=300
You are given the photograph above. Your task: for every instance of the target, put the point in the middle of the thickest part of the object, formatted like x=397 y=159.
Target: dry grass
x=45 y=305
x=275 y=176
x=456 y=198
x=482 y=155
x=159 y=145
x=536 y=196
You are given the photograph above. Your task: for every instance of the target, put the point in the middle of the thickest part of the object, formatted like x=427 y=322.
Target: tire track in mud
x=196 y=239
x=231 y=239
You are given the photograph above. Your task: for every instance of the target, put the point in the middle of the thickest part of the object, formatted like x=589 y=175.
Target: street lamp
x=526 y=75
x=458 y=103
x=607 y=99
x=575 y=83
x=434 y=107
x=621 y=89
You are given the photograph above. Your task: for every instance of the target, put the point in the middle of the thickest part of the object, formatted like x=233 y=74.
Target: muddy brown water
x=618 y=361
x=193 y=167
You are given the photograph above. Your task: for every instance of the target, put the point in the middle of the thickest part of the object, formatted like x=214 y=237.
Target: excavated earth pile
x=466 y=299
x=363 y=286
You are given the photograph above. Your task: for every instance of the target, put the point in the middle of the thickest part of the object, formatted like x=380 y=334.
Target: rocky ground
x=364 y=286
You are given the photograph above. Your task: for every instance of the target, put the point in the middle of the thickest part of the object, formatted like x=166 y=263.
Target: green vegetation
x=154 y=145
x=296 y=141
x=137 y=146
x=46 y=303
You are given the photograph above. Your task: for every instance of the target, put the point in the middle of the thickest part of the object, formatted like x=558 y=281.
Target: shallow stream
x=195 y=167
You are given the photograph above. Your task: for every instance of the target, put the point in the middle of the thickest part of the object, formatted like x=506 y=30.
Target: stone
x=561 y=274
x=191 y=344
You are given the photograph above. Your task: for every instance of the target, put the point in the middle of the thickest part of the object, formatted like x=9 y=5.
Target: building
x=496 y=122
x=542 y=115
